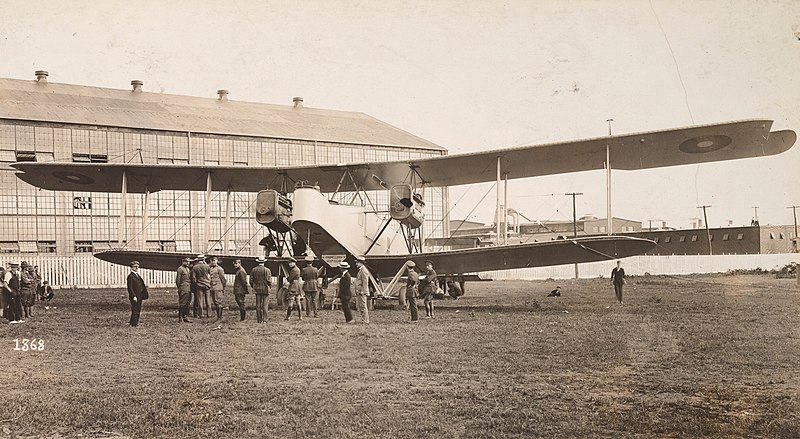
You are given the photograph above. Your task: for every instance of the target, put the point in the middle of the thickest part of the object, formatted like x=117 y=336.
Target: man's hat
x=360 y=259
x=200 y=257
x=136 y=263
x=25 y=264
x=13 y=264
x=344 y=264
x=429 y=262
x=261 y=260
x=309 y=258
x=410 y=264
x=187 y=259
x=291 y=259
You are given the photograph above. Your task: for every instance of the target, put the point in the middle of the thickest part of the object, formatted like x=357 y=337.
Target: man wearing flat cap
x=184 y=284
x=309 y=274
x=346 y=291
x=137 y=293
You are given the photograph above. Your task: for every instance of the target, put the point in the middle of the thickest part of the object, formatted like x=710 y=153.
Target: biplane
x=296 y=204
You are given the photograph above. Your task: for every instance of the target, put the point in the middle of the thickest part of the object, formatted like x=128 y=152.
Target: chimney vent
x=41 y=76
x=223 y=95
x=298 y=102
x=137 y=86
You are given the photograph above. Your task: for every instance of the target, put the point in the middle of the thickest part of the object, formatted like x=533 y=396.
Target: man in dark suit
x=137 y=292
x=346 y=291
x=618 y=280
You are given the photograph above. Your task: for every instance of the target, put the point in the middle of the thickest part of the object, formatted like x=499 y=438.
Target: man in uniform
x=362 y=289
x=218 y=284
x=184 y=284
x=412 y=290
x=309 y=274
x=27 y=288
x=346 y=291
x=427 y=287
x=14 y=307
x=293 y=294
x=618 y=280
x=260 y=280
x=194 y=303
x=202 y=278
x=137 y=292
x=240 y=287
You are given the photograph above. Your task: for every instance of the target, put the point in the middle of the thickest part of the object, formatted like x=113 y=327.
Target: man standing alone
x=618 y=280
x=183 y=282
x=137 y=292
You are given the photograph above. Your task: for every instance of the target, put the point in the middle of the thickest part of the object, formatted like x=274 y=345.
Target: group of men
x=202 y=284
x=21 y=284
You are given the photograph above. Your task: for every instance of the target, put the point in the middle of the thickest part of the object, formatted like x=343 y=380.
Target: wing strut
x=122 y=230
x=207 y=223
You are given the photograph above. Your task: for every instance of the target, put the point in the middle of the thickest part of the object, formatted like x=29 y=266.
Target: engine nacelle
x=274 y=210
x=406 y=206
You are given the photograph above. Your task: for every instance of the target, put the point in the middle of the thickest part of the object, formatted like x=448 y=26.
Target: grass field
x=700 y=356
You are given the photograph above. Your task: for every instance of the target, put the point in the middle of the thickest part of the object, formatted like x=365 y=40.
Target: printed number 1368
x=23 y=344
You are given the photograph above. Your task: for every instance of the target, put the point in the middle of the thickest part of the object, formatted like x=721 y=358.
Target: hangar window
x=28 y=247
x=740 y=236
x=9 y=247
x=83 y=246
x=656 y=239
x=26 y=156
x=771 y=235
x=46 y=246
x=682 y=239
x=667 y=239
x=80 y=157
x=694 y=238
x=781 y=235
x=725 y=237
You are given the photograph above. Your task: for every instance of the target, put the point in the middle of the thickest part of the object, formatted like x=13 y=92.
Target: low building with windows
x=45 y=121
x=743 y=240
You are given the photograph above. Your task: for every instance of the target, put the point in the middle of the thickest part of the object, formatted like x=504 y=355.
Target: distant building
x=726 y=240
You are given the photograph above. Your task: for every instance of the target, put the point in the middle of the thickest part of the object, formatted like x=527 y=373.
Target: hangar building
x=45 y=121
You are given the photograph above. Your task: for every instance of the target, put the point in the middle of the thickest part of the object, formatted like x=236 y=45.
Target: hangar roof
x=79 y=104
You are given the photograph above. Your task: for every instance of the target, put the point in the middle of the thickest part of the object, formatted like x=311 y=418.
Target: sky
x=468 y=76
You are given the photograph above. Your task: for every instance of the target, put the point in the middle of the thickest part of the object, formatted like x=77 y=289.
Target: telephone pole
x=708 y=232
x=794 y=211
x=574 y=223
x=574 y=213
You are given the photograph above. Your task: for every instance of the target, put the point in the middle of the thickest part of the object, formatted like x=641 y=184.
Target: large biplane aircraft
x=296 y=203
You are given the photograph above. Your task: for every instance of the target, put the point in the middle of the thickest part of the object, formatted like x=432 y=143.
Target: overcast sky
x=468 y=76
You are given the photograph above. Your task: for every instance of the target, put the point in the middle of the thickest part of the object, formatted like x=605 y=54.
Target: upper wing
x=698 y=144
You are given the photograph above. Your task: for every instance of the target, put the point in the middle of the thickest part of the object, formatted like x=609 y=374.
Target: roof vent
x=298 y=102
x=137 y=86
x=223 y=95
x=41 y=76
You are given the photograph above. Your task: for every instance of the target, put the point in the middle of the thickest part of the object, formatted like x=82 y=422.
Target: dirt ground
x=699 y=356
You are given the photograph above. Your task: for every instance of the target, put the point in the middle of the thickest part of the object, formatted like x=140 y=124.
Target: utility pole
x=609 y=223
x=574 y=223
x=574 y=213
x=794 y=211
x=708 y=232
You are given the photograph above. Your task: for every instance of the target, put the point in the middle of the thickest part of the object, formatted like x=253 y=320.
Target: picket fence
x=85 y=271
